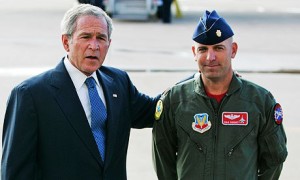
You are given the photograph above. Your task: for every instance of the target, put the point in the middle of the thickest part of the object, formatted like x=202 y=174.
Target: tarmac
x=158 y=55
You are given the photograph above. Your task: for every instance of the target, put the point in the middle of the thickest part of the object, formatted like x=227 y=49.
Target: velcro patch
x=235 y=118
x=278 y=114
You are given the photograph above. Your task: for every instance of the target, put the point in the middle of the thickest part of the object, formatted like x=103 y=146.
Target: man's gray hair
x=69 y=21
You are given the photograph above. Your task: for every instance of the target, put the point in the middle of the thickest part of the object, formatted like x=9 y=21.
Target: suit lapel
x=111 y=93
x=70 y=104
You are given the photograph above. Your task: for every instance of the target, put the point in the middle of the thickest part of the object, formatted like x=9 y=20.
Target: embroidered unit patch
x=278 y=114
x=201 y=123
x=159 y=109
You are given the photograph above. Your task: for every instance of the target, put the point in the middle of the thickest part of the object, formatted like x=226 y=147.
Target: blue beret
x=212 y=29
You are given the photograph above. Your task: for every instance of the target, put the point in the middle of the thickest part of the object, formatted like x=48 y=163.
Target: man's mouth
x=212 y=65
x=92 y=57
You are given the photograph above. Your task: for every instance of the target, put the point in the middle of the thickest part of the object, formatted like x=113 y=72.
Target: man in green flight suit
x=217 y=125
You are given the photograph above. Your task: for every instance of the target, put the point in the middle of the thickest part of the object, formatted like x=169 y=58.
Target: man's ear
x=65 y=41
x=194 y=52
x=234 y=49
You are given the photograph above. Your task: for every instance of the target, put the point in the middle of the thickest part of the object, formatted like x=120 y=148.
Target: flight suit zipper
x=217 y=115
x=215 y=132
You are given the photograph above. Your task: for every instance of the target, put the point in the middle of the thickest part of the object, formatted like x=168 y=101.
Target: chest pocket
x=185 y=132
x=192 y=152
x=241 y=155
x=238 y=140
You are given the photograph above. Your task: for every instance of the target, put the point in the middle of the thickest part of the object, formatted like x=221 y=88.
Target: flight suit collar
x=235 y=84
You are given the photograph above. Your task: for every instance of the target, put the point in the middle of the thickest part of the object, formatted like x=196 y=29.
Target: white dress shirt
x=78 y=79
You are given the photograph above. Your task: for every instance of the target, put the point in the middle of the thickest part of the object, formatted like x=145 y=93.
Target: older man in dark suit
x=73 y=122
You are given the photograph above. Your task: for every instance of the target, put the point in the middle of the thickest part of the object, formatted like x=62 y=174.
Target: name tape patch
x=235 y=118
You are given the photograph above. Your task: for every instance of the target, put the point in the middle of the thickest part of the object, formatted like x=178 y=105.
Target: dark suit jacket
x=46 y=134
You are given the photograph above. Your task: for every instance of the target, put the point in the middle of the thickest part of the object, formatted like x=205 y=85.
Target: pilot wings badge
x=201 y=123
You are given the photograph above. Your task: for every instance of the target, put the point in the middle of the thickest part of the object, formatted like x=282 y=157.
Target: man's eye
x=219 y=48
x=101 y=38
x=201 y=50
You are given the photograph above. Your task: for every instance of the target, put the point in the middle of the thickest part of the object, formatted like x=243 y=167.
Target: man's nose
x=211 y=56
x=94 y=44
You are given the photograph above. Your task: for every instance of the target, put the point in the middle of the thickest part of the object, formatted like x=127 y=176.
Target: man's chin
x=211 y=75
x=90 y=70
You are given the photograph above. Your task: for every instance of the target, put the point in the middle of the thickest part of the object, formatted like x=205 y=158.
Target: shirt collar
x=77 y=76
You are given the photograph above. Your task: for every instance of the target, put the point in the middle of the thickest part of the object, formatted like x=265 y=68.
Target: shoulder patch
x=158 y=110
x=278 y=114
x=160 y=105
